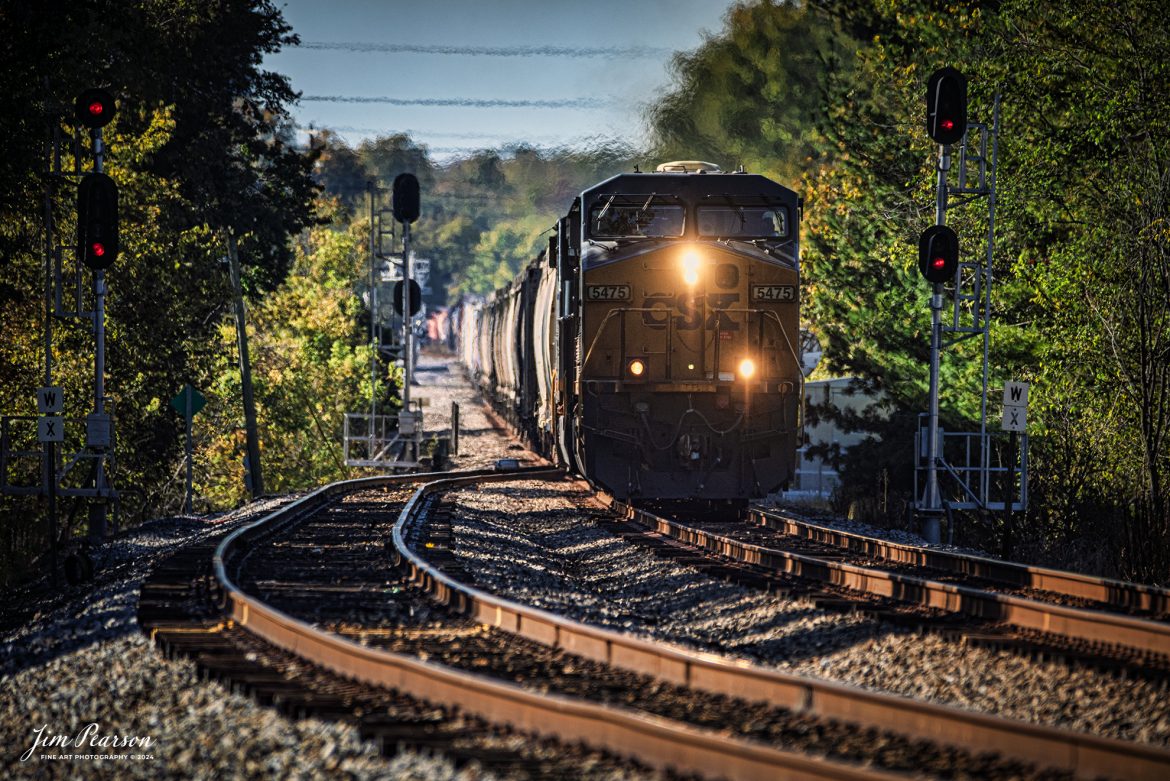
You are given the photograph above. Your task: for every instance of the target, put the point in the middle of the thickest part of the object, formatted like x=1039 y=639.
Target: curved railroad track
x=401 y=699
x=182 y=612
x=1076 y=753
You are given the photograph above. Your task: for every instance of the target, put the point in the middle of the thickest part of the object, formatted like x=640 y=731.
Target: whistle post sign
x=1015 y=406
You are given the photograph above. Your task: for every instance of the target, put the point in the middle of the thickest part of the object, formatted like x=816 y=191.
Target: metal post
x=189 y=397
x=930 y=521
x=49 y=469
x=97 y=510
x=984 y=437
x=455 y=428
x=1008 y=495
x=253 y=439
x=407 y=341
x=374 y=346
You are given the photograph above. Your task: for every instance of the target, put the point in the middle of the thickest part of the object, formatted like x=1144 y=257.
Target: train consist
x=654 y=347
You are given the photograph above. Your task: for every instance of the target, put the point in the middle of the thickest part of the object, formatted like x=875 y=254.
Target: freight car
x=653 y=347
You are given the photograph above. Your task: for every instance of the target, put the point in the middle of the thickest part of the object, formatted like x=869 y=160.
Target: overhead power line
x=589 y=103
x=385 y=131
x=639 y=52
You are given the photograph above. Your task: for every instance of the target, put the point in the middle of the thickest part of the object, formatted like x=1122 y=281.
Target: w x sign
x=51 y=429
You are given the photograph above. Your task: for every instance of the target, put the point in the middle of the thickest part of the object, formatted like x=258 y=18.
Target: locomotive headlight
x=637 y=367
x=691 y=262
x=747 y=368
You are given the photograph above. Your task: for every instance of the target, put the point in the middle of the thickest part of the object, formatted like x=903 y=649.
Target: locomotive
x=654 y=346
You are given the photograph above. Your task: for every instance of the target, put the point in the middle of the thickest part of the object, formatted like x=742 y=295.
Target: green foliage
x=198 y=146
x=498 y=255
x=1082 y=308
x=750 y=96
x=310 y=365
x=483 y=216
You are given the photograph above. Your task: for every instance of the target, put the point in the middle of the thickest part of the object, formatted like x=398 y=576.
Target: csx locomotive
x=654 y=346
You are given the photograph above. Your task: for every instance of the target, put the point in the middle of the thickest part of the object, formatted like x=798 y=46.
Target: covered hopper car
x=654 y=347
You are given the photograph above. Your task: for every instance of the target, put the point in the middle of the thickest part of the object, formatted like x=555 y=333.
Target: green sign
x=188 y=399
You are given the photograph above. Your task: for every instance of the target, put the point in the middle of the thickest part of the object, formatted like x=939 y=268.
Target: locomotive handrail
x=764 y=313
x=600 y=328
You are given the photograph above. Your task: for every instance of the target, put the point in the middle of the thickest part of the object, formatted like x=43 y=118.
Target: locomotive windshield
x=635 y=216
x=750 y=222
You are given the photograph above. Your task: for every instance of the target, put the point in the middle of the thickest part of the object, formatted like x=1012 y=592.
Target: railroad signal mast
x=971 y=470
x=390 y=440
x=96 y=247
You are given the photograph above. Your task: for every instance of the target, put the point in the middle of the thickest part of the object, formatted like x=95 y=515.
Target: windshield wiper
x=644 y=209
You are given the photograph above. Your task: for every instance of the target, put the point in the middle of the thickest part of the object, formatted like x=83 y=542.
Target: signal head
x=97 y=221
x=938 y=254
x=946 y=106
x=94 y=108
x=405 y=199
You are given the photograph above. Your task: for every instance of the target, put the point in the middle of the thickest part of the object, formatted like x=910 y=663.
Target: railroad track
x=1078 y=754
x=193 y=606
x=1044 y=584
x=181 y=607
x=1129 y=643
x=349 y=667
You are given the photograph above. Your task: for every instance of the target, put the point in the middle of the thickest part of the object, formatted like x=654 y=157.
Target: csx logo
x=692 y=312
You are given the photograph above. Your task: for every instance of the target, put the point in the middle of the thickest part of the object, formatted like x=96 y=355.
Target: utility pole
x=253 y=441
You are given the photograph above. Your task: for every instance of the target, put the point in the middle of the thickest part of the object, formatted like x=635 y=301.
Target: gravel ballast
x=532 y=542
x=78 y=658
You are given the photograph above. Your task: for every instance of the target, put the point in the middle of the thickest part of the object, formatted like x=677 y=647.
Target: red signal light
x=938 y=254
x=94 y=108
x=97 y=221
x=946 y=106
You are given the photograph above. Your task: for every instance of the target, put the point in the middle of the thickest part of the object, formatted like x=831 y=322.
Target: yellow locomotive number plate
x=774 y=293
x=607 y=292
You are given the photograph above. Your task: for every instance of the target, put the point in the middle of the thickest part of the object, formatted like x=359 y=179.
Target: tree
x=199 y=143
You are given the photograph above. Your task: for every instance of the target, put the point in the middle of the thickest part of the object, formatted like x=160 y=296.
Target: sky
x=461 y=75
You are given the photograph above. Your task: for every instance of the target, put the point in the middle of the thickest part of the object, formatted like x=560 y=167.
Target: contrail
x=465 y=102
x=639 y=52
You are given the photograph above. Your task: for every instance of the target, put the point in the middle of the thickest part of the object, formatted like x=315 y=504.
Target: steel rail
x=1086 y=756
x=657 y=741
x=1105 y=590
x=1150 y=637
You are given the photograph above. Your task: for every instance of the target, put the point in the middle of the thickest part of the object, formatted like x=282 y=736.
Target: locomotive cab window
x=635 y=216
x=748 y=222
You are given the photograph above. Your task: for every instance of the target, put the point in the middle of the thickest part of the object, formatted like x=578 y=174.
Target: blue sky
x=578 y=70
